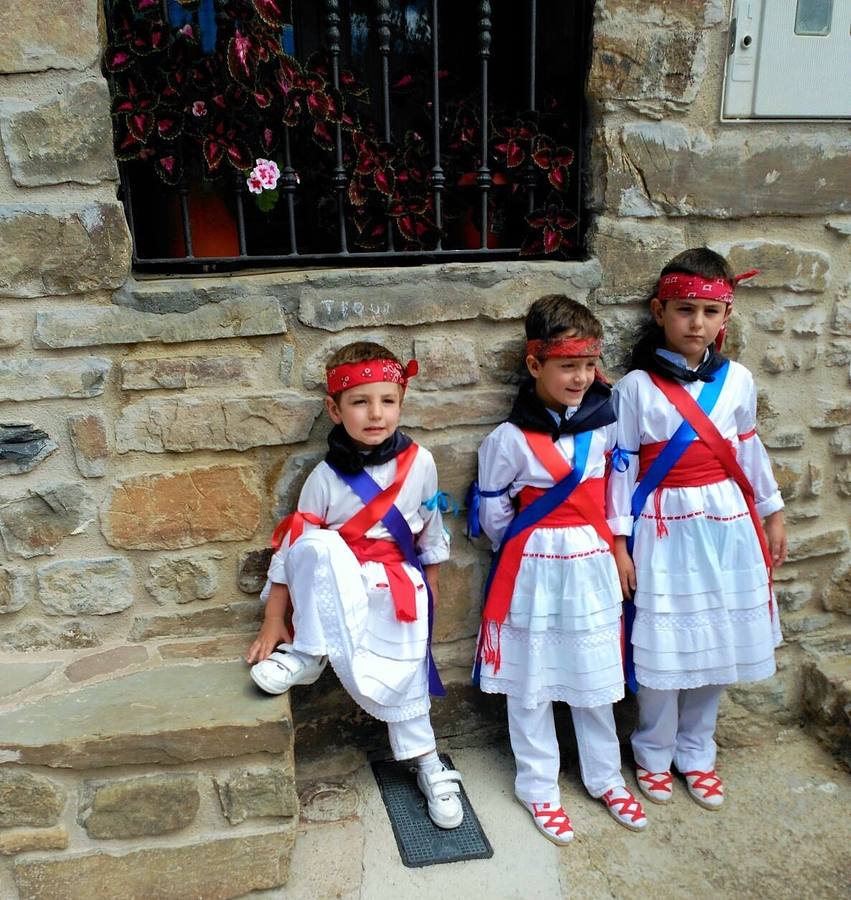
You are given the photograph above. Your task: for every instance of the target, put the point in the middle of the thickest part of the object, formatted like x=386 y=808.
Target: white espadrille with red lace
x=705 y=788
x=625 y=809
x=551 y=820
x=657 y=787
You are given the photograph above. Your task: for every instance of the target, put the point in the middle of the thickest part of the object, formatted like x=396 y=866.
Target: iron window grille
x=504 y=62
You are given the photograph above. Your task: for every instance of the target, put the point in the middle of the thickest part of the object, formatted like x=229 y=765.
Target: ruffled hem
x=529 y=700
x=669 y=681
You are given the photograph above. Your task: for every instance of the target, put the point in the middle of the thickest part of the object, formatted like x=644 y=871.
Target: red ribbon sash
x=706 y=430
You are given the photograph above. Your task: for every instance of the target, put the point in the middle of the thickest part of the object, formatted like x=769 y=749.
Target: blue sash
x=677 y=444
x=366 y=488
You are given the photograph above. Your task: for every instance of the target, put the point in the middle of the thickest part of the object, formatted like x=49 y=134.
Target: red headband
x=349 y=375
x=543 y=349
x=680 y=286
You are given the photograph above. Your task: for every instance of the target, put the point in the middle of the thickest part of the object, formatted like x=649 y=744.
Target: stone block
x=222 y=646
x=252 y=568
x=773 y=319
x=133 y=807
x=481 y=407
x=793 y=597
x=631 y=255
x=213 y=869
x=697 y=13
x=810 y=324
x=16 y=589
x=826 y=543
x=506 y=360
x=840 y=441
x=37 y=635
x=345 y=299
x=44 y=379
x=183 y=579
x=182 y=372
x=51 y=34
x=620 y=329
x=775 y=359
x=257 y=793
x=285 y=369
x=781 y=265
x=840 y=318
x=843 y=478
x=445 y=363
x=90 y=443
x=653 y=169
x=18 y=676
x=23 y=447
x=90 y=326
x=26 y=840
x=36 y=523
x=49 y=250
x=826 y=700
x=85 y=587
x=815 y=480
x=458 y=611
x=836 y=595
x=11 y=333
x=65 y=138
x=181 y=425
x=130 y=720
x=789 y=476
x=802 y=512
x=841 y=227
x=456 y=460
x=29 y=800
x=293 y=475
x=174 y=510
x=105 y=663
x=784 y=440
x=832 y=414
x=244 y=615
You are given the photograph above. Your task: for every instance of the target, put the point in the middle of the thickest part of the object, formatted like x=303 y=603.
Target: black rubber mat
x=420 y=841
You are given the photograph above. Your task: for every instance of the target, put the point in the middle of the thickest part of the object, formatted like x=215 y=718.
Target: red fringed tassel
x=490 y=649
x=661 y=527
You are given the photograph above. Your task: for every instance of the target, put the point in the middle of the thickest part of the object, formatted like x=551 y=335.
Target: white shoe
x=657 y=787
x=551 y=820
x=285 y=668
x=625 y=809
x=442 y=792
x=705 y=788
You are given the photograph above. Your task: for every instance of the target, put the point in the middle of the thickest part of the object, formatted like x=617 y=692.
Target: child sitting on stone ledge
x=358 y=562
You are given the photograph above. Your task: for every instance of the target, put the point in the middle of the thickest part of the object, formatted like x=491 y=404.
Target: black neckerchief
x=344 y=455
x=530 y=413
x=667 y=368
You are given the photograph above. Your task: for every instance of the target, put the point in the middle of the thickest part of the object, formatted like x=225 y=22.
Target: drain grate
x=420 y=841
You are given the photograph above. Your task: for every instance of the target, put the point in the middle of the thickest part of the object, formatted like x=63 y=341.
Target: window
x=396 y=129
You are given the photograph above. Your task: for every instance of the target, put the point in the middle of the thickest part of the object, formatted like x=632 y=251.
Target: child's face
x=369 y=412
x=562 y=381
x=690 y=325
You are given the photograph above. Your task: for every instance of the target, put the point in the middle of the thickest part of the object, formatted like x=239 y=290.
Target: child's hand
x=626 y=569
x=775 y=532
x=272 y=633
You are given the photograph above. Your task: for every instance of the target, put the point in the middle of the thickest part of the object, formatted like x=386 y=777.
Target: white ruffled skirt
x=561 y=639
x=702 y=603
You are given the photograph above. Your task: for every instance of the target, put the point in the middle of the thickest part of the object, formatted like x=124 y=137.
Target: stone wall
x=161 y=426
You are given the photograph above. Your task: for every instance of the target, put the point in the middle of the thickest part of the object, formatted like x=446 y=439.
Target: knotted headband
x=680 y=286
x=349 y=375
x=547 y=349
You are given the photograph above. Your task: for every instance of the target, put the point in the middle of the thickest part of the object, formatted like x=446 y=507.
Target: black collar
x=671 y=370
x=530 y=414
x=344 y=455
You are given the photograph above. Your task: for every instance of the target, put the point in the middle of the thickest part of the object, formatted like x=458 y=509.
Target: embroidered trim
x=584 y=699
x=556 y=637
x=685 y=680
x=581 y=555
x=695 y=515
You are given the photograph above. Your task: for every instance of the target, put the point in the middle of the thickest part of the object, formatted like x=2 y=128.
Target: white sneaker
x=285 y=668
x=442 y=792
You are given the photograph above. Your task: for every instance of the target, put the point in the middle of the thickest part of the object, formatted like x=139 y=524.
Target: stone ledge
x=168 y=715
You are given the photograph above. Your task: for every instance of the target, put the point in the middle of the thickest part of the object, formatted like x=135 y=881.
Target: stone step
x=826 y=692
x=167 y=715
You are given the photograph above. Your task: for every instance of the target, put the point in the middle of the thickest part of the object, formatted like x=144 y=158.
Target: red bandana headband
x=680 y=286
x=543 y=349
x=350 y=375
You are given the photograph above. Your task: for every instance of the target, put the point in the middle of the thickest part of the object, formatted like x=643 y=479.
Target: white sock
x=429 y=762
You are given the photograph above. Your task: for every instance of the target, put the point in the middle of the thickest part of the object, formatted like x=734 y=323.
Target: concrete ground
x=783 y=833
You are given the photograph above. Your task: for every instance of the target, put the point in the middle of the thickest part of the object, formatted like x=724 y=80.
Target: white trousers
x=412 y=737
x=536 y=753
x=677 y=726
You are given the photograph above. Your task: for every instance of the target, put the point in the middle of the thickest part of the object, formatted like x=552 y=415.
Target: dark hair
x=358 y=351
x=696 y=261
x=554 y=314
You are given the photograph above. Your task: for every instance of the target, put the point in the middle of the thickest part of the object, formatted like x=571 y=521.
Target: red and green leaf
x=276 y=13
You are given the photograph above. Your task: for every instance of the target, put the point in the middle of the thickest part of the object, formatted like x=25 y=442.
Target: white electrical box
x=788 y=59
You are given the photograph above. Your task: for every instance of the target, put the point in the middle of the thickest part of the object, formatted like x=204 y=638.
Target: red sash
x=584 y=506
x=369 y=549
x=707 y=432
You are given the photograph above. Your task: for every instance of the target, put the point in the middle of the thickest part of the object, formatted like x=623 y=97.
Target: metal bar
x=438 y=179
x=382 y=20
x=484 y=178
x=508 y=252
x=290 y=181
x=183 y=190
x=239 y=192
x=338 y=179
x=530 y=175
x=128 y=205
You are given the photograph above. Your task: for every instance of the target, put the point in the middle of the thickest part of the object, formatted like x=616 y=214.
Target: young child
x=551 y=621
x=690 y=482
x=359 y=561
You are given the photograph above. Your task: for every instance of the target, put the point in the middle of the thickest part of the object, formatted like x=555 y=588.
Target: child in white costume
x=551 y=622
x=357 y=599
x=700 y=570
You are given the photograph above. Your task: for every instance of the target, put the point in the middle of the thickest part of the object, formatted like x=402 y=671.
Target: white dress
x=344 y=609
x=561 y=639
x=702 y=599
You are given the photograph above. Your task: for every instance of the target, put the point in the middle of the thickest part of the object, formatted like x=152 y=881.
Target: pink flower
x=268 y=173
x=199 y=108
x=255 y=185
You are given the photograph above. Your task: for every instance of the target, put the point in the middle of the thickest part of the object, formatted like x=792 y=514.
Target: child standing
x=551 y=621
x=359 y=560
x=690 y=482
